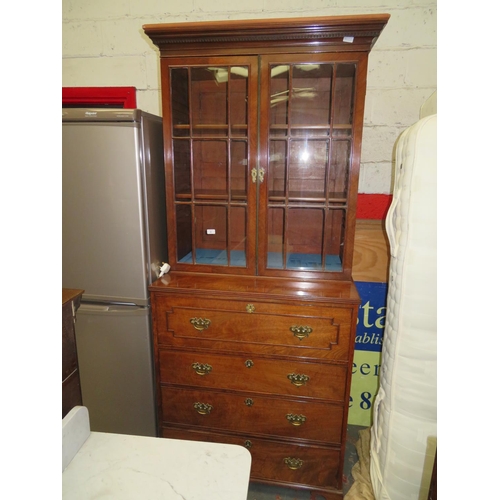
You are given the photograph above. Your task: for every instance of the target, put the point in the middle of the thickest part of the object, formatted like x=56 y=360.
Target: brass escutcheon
x=296 y=419
x=203 y=408
x=253 y=172
x=297 y=380
x=257 y=173
x=201 y=369
x=200 y=324
x=249 y=401
x=249 y=363
x=301 y=332
x=250 y=308
x=293 y=463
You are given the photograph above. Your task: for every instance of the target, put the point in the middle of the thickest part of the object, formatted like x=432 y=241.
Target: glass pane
x=337 y=190
x=182 y=169
x=311 y=95
x=239 y=162
x=211 y=235
x=210 y=169
x=237 y=237
x=342 y=132
x=179 y=95
x=209 y=101
x=184 y=238
x=334 y=234
x=279 y=100
x=276 y=175
x=304 y=239
x=322 y=131
x=344 y=94
x=307 y=170
x=239 y=100
x=275 y=226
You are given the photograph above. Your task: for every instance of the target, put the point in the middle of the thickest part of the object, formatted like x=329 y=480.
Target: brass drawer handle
x=298 y=380
x=203 y=408
x=301 y=332
x=249 y=363
x=200 y=324
x=249 y=401
x=201 y=369
x=293 y=463
x=250 y=308
x=296 y=419
x=248 y=443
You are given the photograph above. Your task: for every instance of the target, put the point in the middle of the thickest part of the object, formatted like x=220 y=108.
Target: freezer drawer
x=116 y=373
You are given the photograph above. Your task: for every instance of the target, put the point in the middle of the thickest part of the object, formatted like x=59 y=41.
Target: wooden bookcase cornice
x=319 y=34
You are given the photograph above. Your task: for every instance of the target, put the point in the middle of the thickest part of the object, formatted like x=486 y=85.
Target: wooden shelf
x=298 y=196
x=209 y=126
x=205 y=194
x=214 y=126
x=294 y=196
x=284 y=126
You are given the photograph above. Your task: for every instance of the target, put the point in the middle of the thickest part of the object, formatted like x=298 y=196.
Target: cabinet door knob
x=200 y=323
x=249 y=363
x=201 y=369
x=297 y=379
x=248 y=443
x=202 y=408
x=301 y=332
x=293 y=463
x=249 y=401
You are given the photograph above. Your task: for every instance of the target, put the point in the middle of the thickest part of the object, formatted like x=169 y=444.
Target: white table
x=122 y=467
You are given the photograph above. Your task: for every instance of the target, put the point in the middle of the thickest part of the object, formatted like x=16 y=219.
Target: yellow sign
x=364 y=387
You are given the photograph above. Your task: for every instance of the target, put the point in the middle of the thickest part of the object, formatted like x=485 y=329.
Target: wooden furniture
x=254 y=326
x=71 y=391
x=433 y=486
x=371 y=251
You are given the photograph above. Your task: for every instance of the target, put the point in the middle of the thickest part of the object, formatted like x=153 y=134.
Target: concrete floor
x=264 y=492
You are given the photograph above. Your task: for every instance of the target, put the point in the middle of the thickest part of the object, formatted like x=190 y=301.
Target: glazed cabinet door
x=311 y=122
x=210 y=130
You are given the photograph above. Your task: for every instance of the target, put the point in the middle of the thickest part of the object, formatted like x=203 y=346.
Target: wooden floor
x=264 y=492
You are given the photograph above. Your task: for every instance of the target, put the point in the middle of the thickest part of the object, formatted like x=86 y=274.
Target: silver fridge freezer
x=113 y=245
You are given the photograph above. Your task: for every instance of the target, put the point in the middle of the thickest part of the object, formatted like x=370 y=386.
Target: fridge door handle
x=94 y=307
x=87 y=308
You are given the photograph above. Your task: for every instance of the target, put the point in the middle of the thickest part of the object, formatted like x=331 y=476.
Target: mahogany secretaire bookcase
x=254 y=325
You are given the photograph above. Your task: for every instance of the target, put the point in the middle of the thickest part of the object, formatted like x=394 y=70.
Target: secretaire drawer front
x=252 y=414
x=271 y=460
x=232 y=325
x=254 y=374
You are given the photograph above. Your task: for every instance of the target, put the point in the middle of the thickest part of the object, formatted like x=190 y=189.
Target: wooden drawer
x=253 y=374
x=71 y=393
x=278 y=461
x=253 y=415
x=227 y=325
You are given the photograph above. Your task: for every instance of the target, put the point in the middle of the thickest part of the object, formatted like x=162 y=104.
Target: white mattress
x=403 y=437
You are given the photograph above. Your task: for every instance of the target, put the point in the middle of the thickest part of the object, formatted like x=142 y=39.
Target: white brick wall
x=103 y=45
